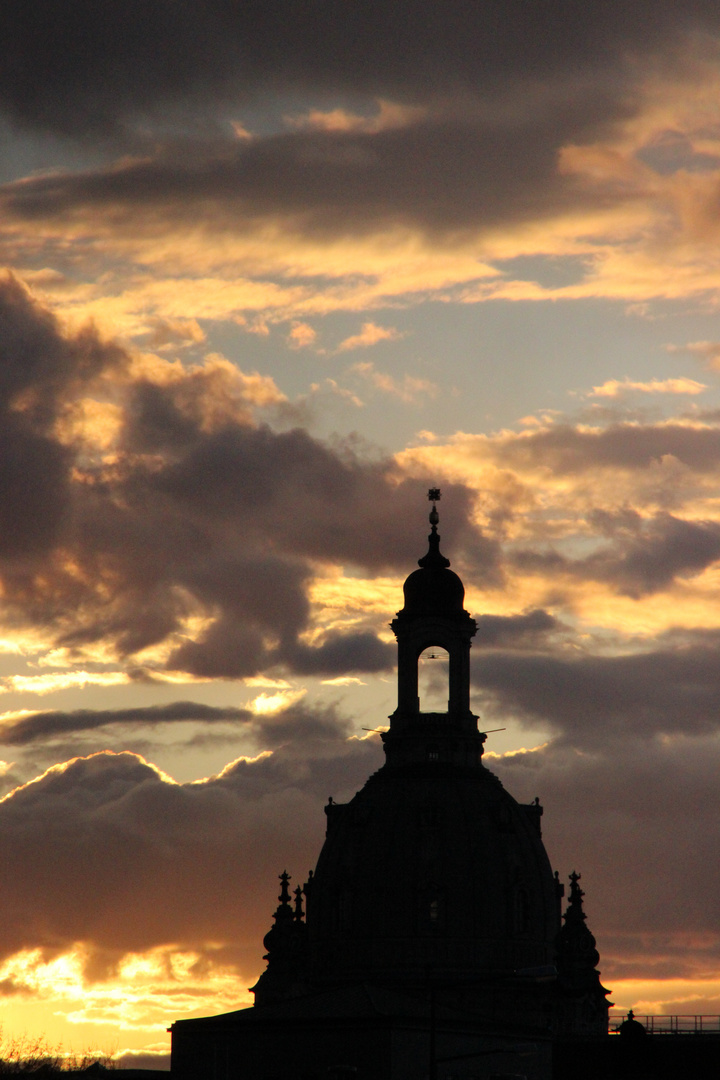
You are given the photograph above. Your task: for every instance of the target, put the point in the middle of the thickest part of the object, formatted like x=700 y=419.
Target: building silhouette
x=430 y=940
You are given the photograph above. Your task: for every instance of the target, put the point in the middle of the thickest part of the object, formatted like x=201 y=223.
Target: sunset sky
x=274 y=269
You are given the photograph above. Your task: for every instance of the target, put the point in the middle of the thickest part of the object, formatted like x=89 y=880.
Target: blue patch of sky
x=29 y=153
x=493 y=362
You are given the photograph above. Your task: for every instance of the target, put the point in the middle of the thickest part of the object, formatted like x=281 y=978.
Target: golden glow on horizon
x=148 y=991
x=667 y=997
x=137 y=1001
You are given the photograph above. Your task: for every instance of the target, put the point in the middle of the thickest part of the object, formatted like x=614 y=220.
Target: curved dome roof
x=431 y=868
x=433 y=592
x=434 y=589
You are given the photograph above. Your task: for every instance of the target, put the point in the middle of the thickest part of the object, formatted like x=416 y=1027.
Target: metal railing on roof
x=669 y=1025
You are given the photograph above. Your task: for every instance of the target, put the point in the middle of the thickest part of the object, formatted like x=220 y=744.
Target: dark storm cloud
x=34 y=488
x=343 y=653
x=314 y=500
x=589 y=699
x=78 y=67
x=103 y=850
x=566 y=449
x=647 y=554
x=39 y=367
x=47 y=725
x=38 y=362
x=661 y=550
x=640 y=823
x=441 y=174
x=308 y=731
x=494 y=630
x=236 y=516
x=505 y=86
x=199 y=511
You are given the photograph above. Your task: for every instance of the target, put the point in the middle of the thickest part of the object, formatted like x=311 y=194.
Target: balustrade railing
x=669 y=1025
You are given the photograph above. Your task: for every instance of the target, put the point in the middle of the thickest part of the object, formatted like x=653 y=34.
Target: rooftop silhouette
x=430 y=930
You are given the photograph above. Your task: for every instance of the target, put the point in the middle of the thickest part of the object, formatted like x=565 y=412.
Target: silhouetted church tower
x=431 y=944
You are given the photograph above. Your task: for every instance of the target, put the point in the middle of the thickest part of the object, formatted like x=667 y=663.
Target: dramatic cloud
x=322 y=183
x=43 y=725
x=230 y=53
x=173 y=863
x=40 y=372
x=495 y=630
x=500 y=154
x=613 y=814
x=591 y=699
x=203 y=495
x=193 y=510
x=617 y=387
x=647 y=555
x=624 y=446
x=147 y=843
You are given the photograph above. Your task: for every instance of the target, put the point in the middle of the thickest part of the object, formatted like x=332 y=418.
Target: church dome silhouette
x=433 y=913
x=432 y=864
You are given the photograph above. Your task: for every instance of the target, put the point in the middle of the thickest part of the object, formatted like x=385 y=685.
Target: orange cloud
x=389 y=116
x=617 y=387
x=370 y=334
x=301 y=336
x=174 y=332
x=707 y=351
x=409 y=389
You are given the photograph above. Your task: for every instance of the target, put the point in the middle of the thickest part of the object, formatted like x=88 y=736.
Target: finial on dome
x=434 y=497
x=434 y=560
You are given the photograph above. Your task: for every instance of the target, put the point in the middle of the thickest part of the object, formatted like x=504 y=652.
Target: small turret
x=286 y=944
x=433 y=615
x=582 y=1005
